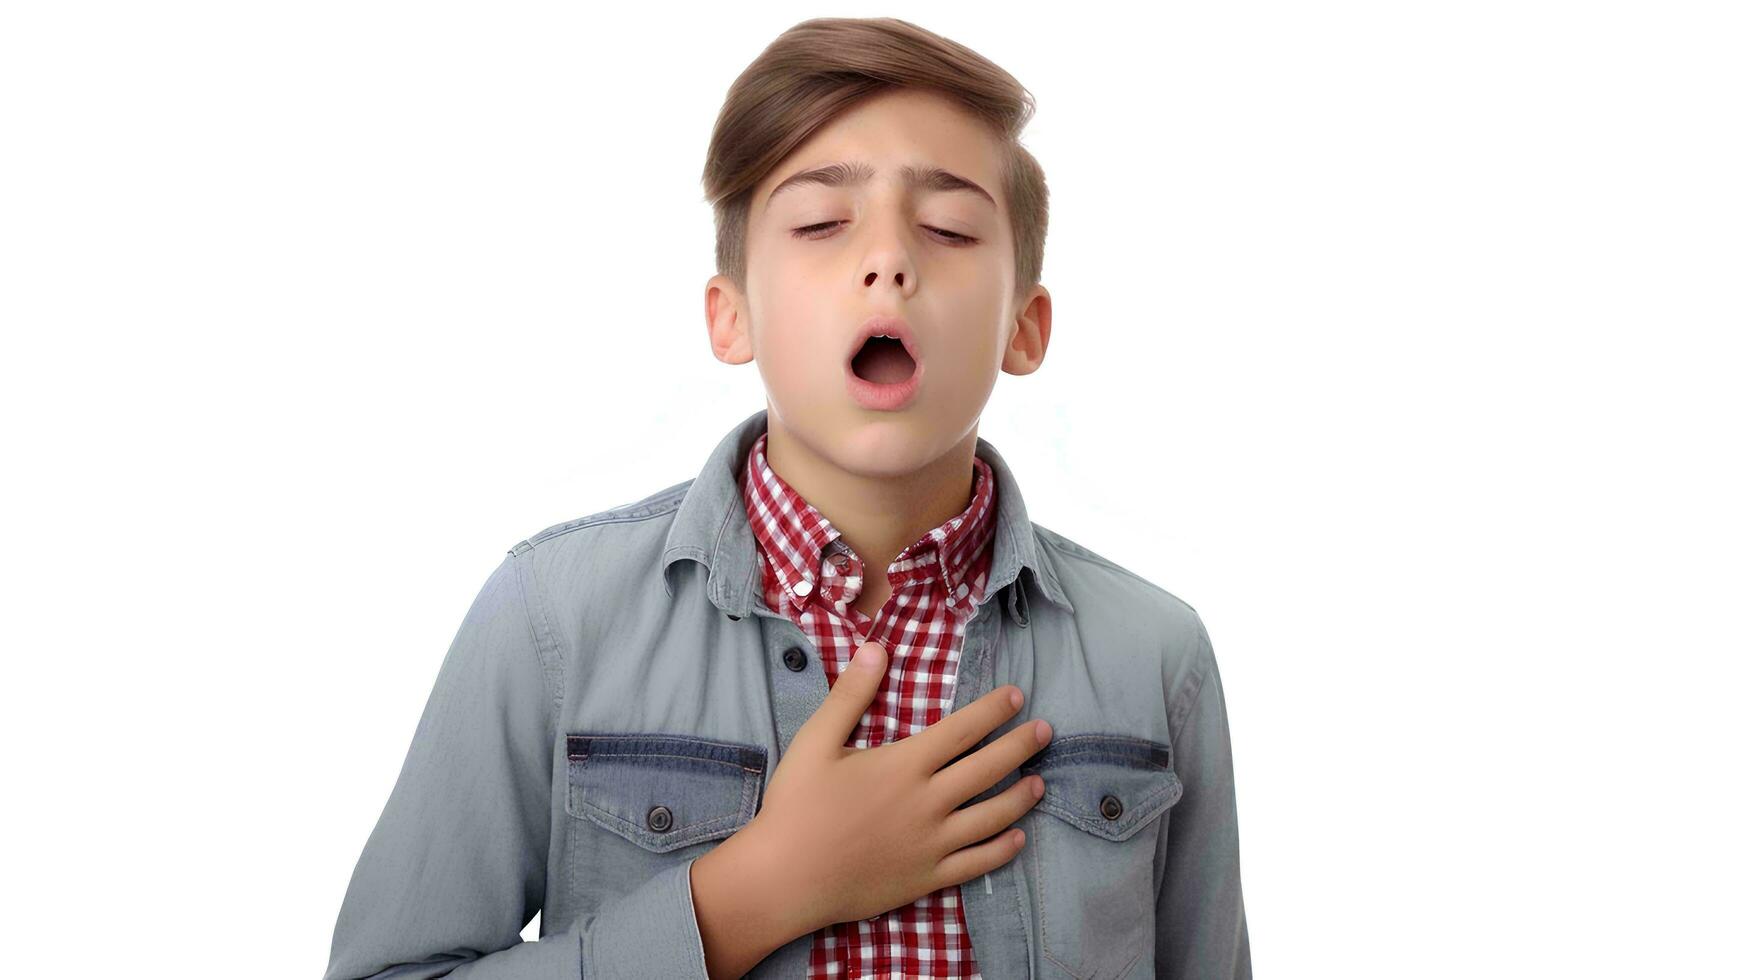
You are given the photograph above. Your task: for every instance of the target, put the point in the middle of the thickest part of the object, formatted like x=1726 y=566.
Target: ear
x=726 y=321
x=1030 y=333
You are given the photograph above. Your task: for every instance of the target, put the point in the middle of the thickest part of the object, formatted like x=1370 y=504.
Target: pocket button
x=1111 y=808
x=660 y=819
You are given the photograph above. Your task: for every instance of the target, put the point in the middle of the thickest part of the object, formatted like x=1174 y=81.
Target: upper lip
x=892 y=326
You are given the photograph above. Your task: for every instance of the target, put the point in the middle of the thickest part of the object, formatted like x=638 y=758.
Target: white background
x=1406 y=342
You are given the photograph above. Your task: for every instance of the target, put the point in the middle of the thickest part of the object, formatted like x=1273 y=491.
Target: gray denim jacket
x=618 y=694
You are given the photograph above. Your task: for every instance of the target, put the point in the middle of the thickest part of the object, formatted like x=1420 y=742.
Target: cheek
x=798 y=360
x=979 y=335
x=798 y=349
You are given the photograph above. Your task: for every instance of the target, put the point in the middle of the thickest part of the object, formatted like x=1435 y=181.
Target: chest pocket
x=1092 y=841
x=663 y=792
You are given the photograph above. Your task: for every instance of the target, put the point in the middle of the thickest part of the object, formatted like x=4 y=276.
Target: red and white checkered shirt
x=812 y=576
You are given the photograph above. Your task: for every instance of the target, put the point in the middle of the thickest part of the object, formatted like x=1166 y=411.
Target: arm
x=456 y=865
x=1200 y=928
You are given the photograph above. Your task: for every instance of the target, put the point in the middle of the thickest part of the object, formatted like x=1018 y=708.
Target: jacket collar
x=711 y=528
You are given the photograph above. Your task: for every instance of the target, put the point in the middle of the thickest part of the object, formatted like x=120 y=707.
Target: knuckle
x=995 y=769
x=964 y=740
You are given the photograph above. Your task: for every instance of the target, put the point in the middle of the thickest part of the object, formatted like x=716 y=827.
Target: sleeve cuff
x=653 y=932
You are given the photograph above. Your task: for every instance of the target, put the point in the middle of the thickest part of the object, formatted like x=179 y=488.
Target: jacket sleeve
x=457 y=863
x=1200 y=929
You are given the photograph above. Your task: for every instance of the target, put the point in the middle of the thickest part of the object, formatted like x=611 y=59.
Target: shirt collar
x=711 y=528
x=797 y=538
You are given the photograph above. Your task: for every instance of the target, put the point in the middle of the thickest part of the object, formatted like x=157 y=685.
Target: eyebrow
x=857 y=173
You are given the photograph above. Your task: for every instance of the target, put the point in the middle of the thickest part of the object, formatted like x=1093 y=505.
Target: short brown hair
x=820 y=68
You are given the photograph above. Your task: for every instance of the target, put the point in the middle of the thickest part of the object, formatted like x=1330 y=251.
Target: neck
x=878 y=514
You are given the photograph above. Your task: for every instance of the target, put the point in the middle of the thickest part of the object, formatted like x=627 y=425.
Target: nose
x=890 y=263
x=889 y=256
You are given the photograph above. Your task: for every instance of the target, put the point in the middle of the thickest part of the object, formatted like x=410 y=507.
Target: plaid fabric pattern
x=812 y=576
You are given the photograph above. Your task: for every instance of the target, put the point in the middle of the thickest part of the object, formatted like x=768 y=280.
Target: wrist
x=747 y=905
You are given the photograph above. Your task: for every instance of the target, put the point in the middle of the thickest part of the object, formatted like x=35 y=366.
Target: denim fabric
x=618 y=694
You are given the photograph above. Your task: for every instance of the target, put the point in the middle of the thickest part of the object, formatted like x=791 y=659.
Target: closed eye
x=816 y=232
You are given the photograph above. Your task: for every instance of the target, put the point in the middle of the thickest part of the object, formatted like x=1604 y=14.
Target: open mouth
x=883 y=361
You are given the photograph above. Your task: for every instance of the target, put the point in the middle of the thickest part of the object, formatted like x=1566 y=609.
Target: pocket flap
x=1106 y=784
x=663 y=791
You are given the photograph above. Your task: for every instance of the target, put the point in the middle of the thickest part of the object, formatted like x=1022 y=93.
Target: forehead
x=908 y=137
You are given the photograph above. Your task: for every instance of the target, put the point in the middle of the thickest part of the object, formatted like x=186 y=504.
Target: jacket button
x=660 y=819
x=1111 y=807
x=734 y=617
x=795 y=658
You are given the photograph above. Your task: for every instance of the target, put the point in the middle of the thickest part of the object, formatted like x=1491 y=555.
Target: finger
x=981 y=820
x=848 y=700
x=953 y=736
x=969 y=862
x=986 y=767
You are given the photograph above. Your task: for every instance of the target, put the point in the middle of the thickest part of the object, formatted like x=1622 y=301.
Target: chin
x=889 y=446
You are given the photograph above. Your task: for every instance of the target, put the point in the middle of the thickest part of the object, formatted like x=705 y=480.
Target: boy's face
x=880 y=247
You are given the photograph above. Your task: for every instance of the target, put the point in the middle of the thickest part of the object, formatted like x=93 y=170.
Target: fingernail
x=1038 y=787
x=1043 y=728
x=1014 y=697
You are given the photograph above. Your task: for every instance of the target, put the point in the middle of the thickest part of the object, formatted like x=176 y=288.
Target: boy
x=650 y=726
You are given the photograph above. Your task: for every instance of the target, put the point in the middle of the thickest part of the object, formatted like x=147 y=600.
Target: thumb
x=849 y=697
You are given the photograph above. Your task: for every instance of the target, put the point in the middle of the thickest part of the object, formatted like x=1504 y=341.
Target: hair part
x=822 y=67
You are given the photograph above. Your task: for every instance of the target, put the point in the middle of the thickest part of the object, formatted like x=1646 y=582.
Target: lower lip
x=884 y=397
